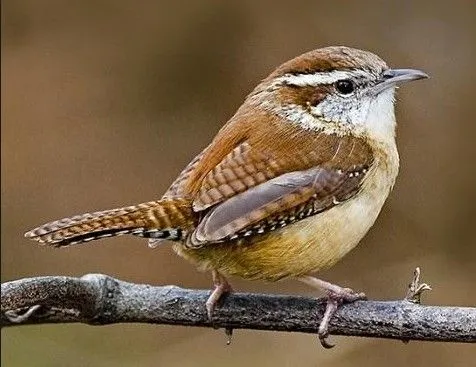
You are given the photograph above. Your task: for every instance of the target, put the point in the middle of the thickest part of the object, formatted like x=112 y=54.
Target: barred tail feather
x=162 y=219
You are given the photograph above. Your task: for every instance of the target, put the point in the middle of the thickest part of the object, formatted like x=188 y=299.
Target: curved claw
x=336 y=296
x=324 y=342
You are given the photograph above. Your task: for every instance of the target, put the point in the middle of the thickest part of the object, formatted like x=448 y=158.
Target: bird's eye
x=345 y=86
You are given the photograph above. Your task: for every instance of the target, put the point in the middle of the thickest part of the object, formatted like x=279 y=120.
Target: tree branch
x=97 y=299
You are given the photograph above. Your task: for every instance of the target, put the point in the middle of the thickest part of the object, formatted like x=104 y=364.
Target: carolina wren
x=288 y=186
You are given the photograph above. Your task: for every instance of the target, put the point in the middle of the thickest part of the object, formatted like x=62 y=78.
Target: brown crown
x=328 y=59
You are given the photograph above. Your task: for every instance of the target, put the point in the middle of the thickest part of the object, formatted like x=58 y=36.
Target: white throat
x=380 y=120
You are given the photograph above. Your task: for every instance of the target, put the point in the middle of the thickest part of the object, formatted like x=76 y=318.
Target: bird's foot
x=221 y=287
x=336 y=296
x=334 y=300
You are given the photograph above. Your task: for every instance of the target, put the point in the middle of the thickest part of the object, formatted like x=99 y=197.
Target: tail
x=166 y=219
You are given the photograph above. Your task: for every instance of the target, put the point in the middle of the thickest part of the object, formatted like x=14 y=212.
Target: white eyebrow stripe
x=313 y=80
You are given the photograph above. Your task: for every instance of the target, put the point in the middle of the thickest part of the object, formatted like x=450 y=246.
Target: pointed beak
x=391 y=77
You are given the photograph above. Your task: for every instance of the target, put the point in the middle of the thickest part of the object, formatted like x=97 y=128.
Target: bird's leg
x=336 y=296
x=221 y=286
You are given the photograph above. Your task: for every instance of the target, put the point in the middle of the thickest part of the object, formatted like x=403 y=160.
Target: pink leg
x=335 y=297
x=221 y=287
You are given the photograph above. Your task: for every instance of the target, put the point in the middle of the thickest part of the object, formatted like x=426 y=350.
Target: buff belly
x=313 y=244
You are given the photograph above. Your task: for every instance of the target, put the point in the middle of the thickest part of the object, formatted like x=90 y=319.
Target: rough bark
x=97 y=299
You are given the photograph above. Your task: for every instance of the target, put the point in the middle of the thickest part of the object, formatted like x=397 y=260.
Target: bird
x=287 y=187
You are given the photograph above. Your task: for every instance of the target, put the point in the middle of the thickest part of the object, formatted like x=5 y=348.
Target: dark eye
x=345 y=86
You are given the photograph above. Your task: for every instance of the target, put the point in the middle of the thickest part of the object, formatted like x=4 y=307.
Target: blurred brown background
x=103 y=103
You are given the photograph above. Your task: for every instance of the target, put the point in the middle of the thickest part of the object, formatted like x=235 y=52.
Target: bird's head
x=335 y=89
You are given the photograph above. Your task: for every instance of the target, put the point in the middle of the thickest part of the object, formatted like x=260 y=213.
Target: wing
x=278 y=202
x=259 y=174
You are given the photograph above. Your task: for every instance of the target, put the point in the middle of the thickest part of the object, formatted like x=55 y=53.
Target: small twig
x=415 y=289
x=98 y=299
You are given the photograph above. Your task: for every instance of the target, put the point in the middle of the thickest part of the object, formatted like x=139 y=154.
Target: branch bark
x=97 y=299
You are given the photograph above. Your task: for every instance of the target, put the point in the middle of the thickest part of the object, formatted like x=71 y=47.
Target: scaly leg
x=221 y=287
x=336 y=296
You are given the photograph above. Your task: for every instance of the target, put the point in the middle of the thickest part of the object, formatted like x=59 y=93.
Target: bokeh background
x=104 y=102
